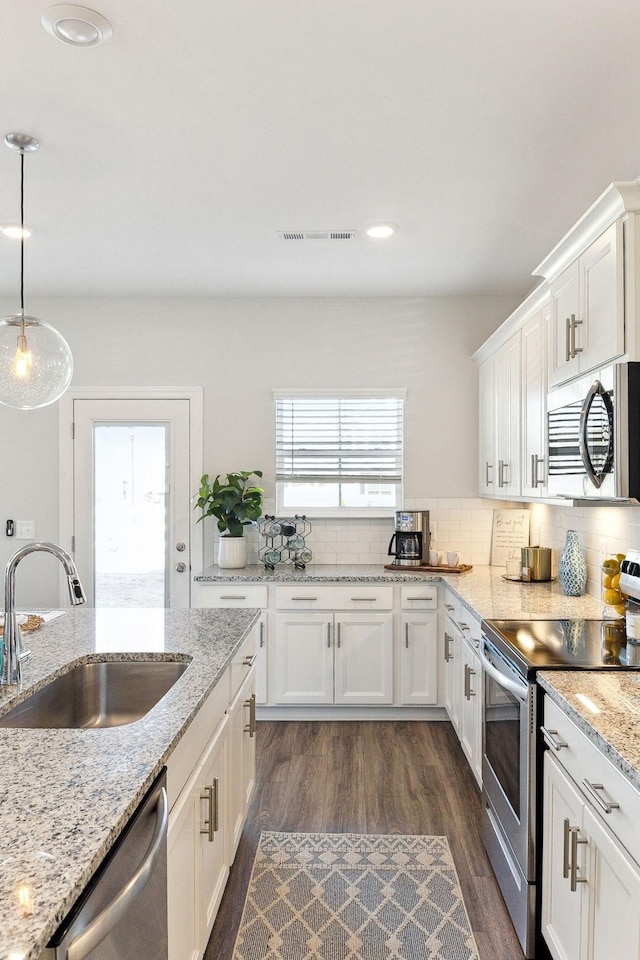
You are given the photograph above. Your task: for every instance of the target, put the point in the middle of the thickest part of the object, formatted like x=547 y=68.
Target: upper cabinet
x=584 y=314
x=587 y=309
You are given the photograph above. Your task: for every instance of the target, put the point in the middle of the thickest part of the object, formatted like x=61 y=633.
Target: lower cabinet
x=419 y=657
x=330 y=658
x=590 y=881
x=206 y=819
x=464 y=685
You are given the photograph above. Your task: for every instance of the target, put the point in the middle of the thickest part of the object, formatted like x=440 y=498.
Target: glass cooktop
x=564 y=644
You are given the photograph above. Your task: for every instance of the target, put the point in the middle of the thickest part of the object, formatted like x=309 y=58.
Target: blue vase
x=572 y=569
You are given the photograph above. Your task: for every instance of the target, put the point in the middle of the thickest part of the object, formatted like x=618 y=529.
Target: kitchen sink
x=103 y=693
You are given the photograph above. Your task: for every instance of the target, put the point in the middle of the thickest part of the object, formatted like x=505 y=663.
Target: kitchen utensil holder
x=285 y=541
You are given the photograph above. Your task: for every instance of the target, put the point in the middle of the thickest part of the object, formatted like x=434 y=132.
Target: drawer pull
x=232 y=596
x=211 y=823
x=251 y=726
x=605 y=805
x=406 y=635
x=552 y=739
x=304 y=598
x=574 y=878
x=447 y=653
x=464 y=626
x=365 y=599
x=419 y=598
x=449 y=607
x=262 y=633
x=250 y=660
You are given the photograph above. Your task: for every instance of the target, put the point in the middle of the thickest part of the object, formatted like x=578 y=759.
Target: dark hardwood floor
x=368 y=777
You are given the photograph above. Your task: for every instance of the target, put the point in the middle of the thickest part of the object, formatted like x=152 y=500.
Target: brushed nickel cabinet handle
x=251 y=726
x=449 y=607
x=422 y=598
x=262 y=633
x=328 y=634
x=211 y=822
x=466 y=681
x=365 y=599
x=250 y=660
x=574 y=323
x=574 y=878
x=463 y=626
x=565 y=848
x=338 y=635
x=500 y=473
x=567 y=339
x=487 y=466
x=304 y=598
x=232 y=596
x=447 y=652
x=552 y=739
x=470 y=691
x=605 y=805
x=406 y=635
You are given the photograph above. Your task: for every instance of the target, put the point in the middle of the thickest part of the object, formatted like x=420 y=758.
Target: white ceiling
x=173 y=153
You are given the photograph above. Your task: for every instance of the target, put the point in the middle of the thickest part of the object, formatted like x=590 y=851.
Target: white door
x=132 y=501
x=419 y=658
x=302 y=668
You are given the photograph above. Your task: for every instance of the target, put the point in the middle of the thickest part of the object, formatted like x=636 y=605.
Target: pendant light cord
x=22 y=235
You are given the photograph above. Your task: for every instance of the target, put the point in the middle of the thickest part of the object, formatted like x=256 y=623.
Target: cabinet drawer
x=419 y=597
x=583 y=761
x=469 y=626
x=233 y=595
x=357 y=596
x=451 y=606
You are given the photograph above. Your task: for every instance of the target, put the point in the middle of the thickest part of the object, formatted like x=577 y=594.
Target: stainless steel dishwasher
x=122 y=914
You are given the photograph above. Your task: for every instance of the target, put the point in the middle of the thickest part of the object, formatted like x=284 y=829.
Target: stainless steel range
x=511 y=653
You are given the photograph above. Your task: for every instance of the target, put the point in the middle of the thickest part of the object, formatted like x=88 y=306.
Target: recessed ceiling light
x=381 y=230
x=14 y=230
x=78 y=26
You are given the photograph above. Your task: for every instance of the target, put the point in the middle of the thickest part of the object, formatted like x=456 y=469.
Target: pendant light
x=36 y=364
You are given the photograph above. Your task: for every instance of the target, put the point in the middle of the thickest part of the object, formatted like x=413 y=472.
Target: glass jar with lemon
x=612 y=596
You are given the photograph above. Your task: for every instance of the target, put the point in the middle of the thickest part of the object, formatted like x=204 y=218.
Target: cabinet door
x=213 y=859
x=471 y=710
x=183 y=875
x=302 y=668
x=487 y=429
x=601 y=335
x=565 y=293
x=562 y=909
x=364 y=658
x=453 y=673
x=241 y=766
x=507 y=417
x=613 y=891
x=419 y=657
x=534 y=404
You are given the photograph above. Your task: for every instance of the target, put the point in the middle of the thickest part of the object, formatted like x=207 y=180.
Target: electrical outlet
x=25 y=530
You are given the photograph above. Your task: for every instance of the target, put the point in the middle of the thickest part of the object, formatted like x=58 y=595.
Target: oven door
x=509 y=755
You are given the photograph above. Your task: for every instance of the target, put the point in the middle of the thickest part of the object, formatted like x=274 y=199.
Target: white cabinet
x=239 y=594
x=242 y=728
x=487 y=429
x=534 y=403
x=464 y=686
x=419 y=657
x=587 y=309
x=344 y=658
x=507 y=418
x=210 y=778
x=590 y=879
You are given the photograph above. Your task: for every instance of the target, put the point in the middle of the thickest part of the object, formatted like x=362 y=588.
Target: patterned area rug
x=319 y=896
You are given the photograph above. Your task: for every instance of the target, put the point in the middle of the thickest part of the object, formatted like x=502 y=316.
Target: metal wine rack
x=285 y=541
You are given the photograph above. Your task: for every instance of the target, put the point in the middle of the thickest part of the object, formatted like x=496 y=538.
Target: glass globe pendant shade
x=36 y=364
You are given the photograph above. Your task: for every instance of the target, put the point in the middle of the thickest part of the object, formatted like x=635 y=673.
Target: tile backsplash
x=461 y=524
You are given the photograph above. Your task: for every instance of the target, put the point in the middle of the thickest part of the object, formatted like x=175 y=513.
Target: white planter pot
x=232 y=553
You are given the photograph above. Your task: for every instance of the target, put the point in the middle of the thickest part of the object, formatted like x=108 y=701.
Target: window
x=339 y=453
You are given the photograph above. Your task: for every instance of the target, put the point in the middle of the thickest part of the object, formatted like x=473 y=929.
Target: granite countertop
x=67 y=794
x=616 y=695
x=483 y=590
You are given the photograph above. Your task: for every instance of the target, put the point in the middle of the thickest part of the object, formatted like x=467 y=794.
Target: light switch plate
x=25 y=530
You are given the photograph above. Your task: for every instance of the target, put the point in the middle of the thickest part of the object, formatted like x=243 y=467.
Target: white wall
x=240 y=350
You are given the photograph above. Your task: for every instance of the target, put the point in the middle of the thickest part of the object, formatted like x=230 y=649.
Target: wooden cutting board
x=425 y=568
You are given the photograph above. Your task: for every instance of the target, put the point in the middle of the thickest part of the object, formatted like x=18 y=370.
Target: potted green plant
x=235 y=502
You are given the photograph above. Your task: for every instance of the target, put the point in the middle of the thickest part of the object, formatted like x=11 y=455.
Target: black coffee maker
x=410 y=542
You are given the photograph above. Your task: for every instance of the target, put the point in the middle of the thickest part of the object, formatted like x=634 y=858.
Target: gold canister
x=536 y=563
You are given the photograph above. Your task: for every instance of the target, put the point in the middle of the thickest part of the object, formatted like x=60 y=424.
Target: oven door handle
x=519 y=690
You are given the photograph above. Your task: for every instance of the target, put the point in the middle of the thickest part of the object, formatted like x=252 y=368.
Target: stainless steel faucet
x=13 y=651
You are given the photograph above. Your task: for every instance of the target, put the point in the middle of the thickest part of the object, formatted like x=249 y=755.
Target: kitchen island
x=67 y=794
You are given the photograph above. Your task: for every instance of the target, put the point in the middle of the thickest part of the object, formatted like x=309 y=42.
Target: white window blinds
x=356 y=439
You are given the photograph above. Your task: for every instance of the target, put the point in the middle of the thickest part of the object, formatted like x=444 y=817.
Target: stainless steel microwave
x=594 y=435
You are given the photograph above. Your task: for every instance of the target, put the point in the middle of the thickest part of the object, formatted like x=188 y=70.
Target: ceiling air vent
x=317 y=234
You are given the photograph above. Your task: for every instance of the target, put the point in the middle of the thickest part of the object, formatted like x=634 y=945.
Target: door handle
x=211 y=794
x=574 y=878
x=567 y=339
x=406 y=635
x=574 y=323
x=487 y=466
x=251 y=726
x=84 y=944
x=565 y=848
x=447 y=653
